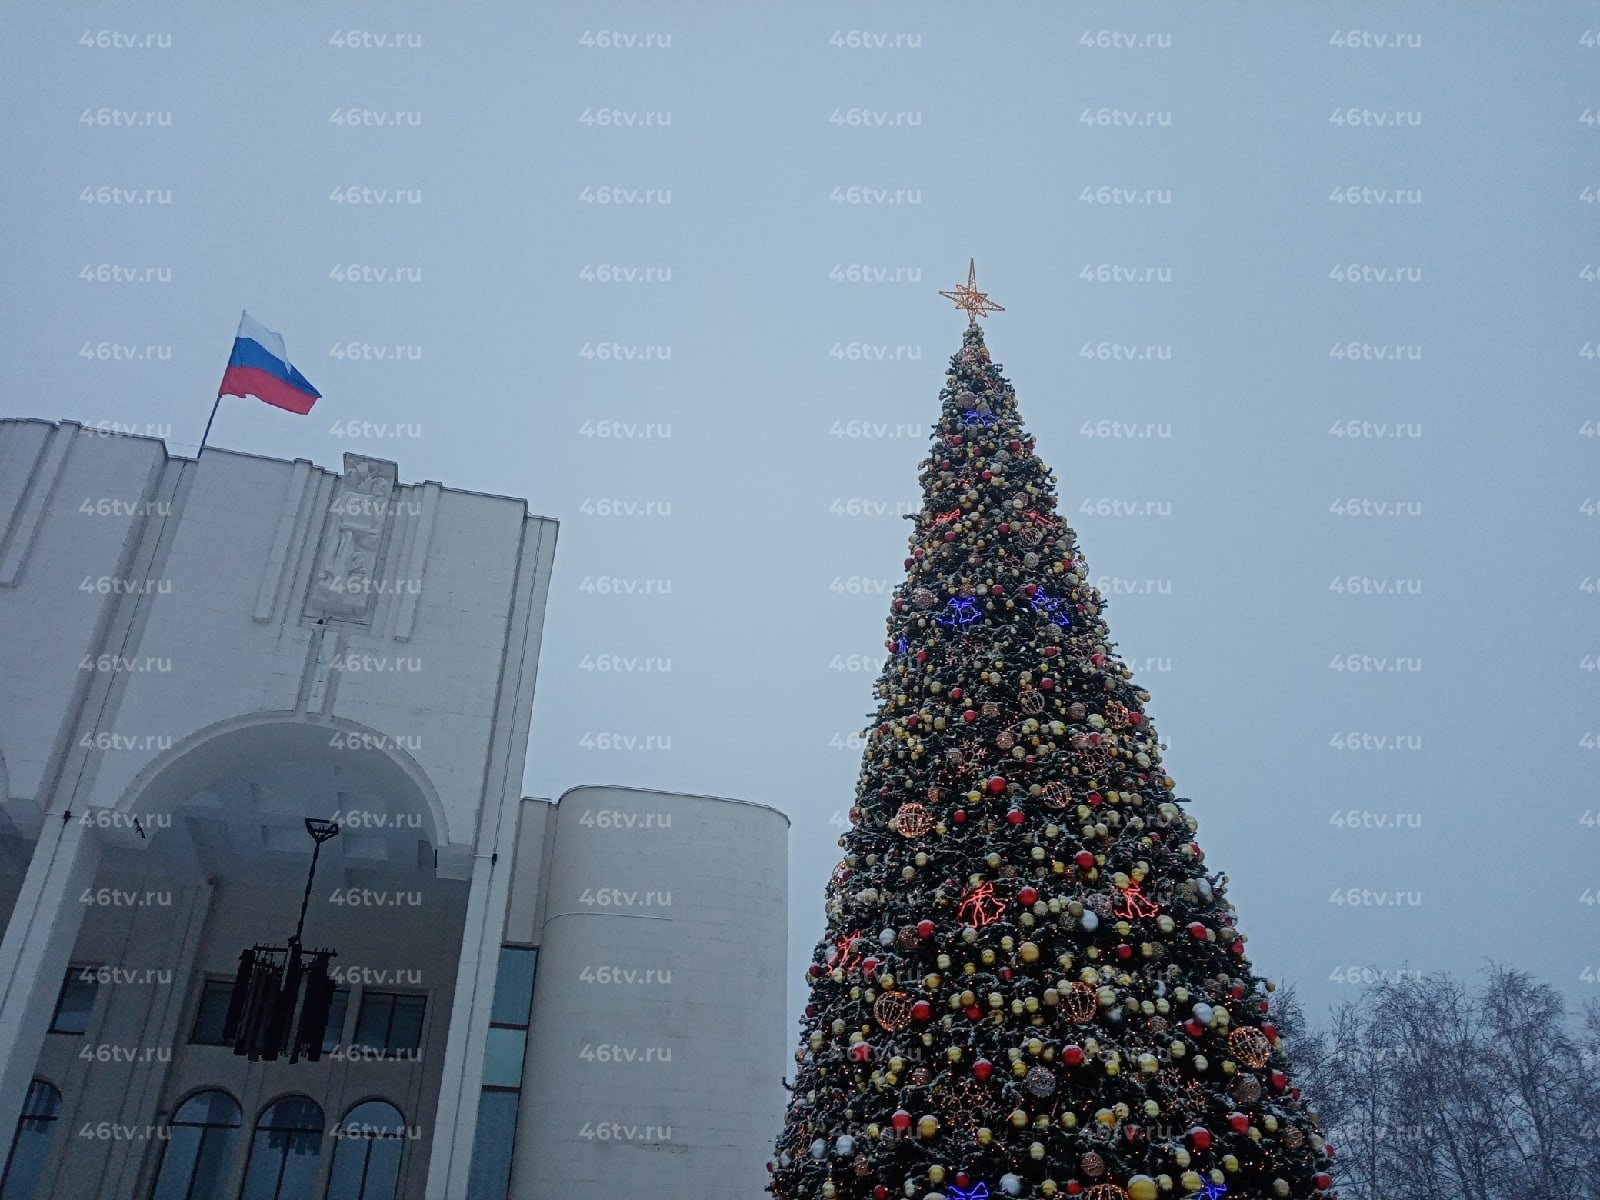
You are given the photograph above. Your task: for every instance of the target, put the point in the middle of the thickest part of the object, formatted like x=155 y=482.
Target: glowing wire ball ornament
x=981 y=906
x=1078 y=1003
x=912 y=820
x=963 y=611
x=1105 y=1191
x=1056 y=795
x=892 y=1010
x=1131 y=902
x=1250 y=1046
x=1032 y=702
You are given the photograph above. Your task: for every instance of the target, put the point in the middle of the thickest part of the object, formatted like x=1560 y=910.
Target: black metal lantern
x=286 y=989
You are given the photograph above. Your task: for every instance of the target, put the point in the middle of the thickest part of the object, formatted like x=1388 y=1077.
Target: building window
x=75 y=1001
x=366 y=1162
x=284 y=1151
x=390 y=1021
x=30 y=1145
x=211 y=1012
x=337 y=1007
x=200 y=1137
x=490 y=1175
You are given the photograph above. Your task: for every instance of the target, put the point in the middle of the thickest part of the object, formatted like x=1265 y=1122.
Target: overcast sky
x=1367 y=652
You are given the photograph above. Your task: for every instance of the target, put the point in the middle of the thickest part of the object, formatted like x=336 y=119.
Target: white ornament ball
x=1011 y=1185
x=1090 y=920
x=886 y=938
x=819 y=1148
x=845 y=1145
x=1203 y=1013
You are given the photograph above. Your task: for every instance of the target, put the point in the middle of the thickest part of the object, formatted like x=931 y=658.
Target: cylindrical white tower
x=658 y=1024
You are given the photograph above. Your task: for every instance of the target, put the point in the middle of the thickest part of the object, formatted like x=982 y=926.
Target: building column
x=455 y=1122
x=37 y=949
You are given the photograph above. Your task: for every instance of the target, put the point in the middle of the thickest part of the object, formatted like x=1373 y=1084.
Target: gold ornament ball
x=1028 y=952
x=928 y=1126
x=1142 y=1187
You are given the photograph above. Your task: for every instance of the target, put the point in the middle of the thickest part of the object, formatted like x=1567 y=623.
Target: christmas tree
x=1030 y=984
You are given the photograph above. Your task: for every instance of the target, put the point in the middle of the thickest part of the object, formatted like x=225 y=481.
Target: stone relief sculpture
x=344 y=583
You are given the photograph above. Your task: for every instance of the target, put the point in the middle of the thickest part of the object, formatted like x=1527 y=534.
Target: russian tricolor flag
x=259 y=367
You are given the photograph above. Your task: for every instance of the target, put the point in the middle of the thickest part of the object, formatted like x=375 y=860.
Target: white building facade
x=531 y=999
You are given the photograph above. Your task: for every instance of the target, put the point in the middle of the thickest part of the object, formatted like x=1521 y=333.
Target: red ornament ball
x=925 y=928
x=1084 y=859
x=880 y=1193
x=974 y=1013
x=969 y=716
x=1124 y=951
x=1197 y=931
x=1047 y=684
x=959 y=816
x=1200 y=1138
x=995 y=589
x=901 y=1120
x=956 y=693
x=860 y=1052
x=1028 y=895
x=1323 y=1180
x=997 y=784
x=1073 y=1056
x=922 y=1011
x=982 y=1069
x=1015 y=816
x=1238 y=1122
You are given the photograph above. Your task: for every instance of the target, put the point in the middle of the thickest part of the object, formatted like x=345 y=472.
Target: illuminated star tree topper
x=968 y=298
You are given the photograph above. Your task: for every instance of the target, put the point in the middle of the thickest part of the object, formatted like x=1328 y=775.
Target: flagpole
x=213 y=417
